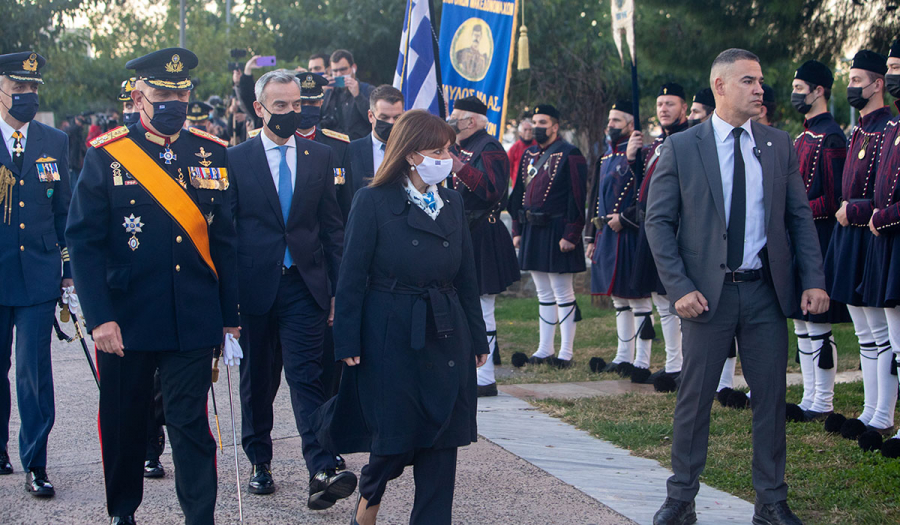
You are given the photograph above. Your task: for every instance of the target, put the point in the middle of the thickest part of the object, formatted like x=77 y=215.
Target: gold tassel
x=524 y=62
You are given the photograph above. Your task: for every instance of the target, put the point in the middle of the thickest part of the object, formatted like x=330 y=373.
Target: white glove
x=70 y=298
x=232 y=351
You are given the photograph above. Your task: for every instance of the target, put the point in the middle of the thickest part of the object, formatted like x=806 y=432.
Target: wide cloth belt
x=438 y=294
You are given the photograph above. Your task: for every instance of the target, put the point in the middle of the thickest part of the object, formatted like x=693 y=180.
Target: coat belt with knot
x=438 y=293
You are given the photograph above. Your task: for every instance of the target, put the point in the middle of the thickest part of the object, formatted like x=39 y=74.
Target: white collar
x=8 y=130
x=268 y=144
x=723 y=129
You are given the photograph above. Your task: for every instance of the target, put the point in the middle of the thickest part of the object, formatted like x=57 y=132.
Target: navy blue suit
x=31 y=243
x=284 y=310
x=362 y=165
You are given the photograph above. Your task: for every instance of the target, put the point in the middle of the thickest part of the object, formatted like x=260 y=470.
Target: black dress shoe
x=777 y=513
x=340 y=463
x=261 y=481
x=328 y=486
x=675 y=512
x=487 y=390
x=5 y=465
x=153 y=469
x=37 y=484
x=122 y=520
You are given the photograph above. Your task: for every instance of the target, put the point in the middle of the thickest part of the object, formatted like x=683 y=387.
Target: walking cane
x=237 y=472
x=212 y=390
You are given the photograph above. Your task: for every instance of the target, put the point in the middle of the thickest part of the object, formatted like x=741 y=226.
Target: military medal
x=897 y=141
x=339 y=176
x=204 y=155
x=862 y=150
x=168 y=155
x=209 y=218
x=133 y=226
x=117 y=173
x=181 y=179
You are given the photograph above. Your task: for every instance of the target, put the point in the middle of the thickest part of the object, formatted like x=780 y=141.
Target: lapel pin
x=768 y=144
x=306 y=152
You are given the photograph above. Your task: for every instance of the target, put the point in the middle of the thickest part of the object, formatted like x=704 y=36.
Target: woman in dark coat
x=408 y=324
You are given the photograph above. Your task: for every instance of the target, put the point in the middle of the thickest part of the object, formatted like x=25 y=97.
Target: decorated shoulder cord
x=862 y=152
x=624 y=190
x=820 y=139
x=549 y=185
x=896 y=173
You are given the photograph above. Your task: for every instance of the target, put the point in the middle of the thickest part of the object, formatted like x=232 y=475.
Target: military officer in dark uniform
x=198 y=115
x=34 y=262
x=846 y=256
x=612 y=239
x=881 y=278
x=821 y=151
x=154 y=252
x=547 y=208
x=129 y=114
x=671 y=110
x=481 y=176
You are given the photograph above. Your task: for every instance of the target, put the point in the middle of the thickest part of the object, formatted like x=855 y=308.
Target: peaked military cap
x=672 y=88
x=546 y=109
x=472 y=104
x=22 y=67
x=165 y=69
x=311 y=85
x=198 y=111
x=870 y=61
x=624 y=106
x=705 y=97
x=127 y=88
x=816 y=73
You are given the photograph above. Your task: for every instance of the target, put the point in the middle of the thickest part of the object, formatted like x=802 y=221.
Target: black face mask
x=892 y=84
x=798 y=100
x=855 y=97
x=169 y=116
x=130 y=118
x=309 y=117
x=693 y=122
x=383 y=129
x=283 y=124
x=24 y=106
x=614 y=135
x=540 y=135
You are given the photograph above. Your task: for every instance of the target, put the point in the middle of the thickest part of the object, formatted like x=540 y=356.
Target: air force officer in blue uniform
x=290 y=244
x=34 y=195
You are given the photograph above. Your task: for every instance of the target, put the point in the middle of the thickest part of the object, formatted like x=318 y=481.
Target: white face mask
x=433 y=171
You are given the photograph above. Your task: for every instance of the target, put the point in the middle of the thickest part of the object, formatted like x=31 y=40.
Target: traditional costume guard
x=547 y=208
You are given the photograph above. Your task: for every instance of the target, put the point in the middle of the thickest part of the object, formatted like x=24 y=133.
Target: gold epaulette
x=335 y=135
x=253 y=132
x=110 y=136
x=208 y=136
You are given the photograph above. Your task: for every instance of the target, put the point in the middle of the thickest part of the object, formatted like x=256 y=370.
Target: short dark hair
x=730 y=56
x=812 y=87
x=707 y=109
x=770 y=110
x=316 y=56
x=387 y=93
x=340 y=54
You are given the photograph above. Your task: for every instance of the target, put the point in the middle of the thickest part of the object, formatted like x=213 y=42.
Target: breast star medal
x=168 y=155
x=204 y=155
x=133 y=226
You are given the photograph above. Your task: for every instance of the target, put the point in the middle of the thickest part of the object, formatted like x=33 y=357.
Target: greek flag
x=418 y=73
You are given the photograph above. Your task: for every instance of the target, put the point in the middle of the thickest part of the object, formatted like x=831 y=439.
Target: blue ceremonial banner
x=476 y=53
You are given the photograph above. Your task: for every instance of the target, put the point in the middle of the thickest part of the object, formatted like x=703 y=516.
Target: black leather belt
x=743 y=277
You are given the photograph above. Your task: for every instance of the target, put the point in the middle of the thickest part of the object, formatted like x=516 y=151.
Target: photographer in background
x=346 y=107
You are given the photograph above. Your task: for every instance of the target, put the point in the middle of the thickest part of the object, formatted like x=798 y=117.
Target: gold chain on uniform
x=7 y=181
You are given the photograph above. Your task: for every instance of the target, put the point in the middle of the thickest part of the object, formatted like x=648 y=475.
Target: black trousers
x=434 y=471
x=156 y=438
x=750 y=312
x=126 y=392
x=290 y=335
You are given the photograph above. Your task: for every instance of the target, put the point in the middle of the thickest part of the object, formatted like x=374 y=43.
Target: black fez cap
x=471 y=104
x=705 y=97
x=768 y=93
x=22 y=67
x=546 y=109
x=895 y=49
x=165 y=69
x=870 y=61
x=625 y=106
x=127 y=88
x=311 y=86
x=672 y=88
x=816 y=73
x=198 y=111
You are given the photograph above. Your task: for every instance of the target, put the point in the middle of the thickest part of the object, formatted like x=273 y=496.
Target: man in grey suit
x=725 y=197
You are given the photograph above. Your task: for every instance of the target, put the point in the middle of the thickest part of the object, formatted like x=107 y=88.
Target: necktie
x=737 y=222
x=382 y=146
x=285 y=193
x=18 y=150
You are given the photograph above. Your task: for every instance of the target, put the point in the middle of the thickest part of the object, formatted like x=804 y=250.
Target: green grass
x=831 y=480
x=517 y=329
